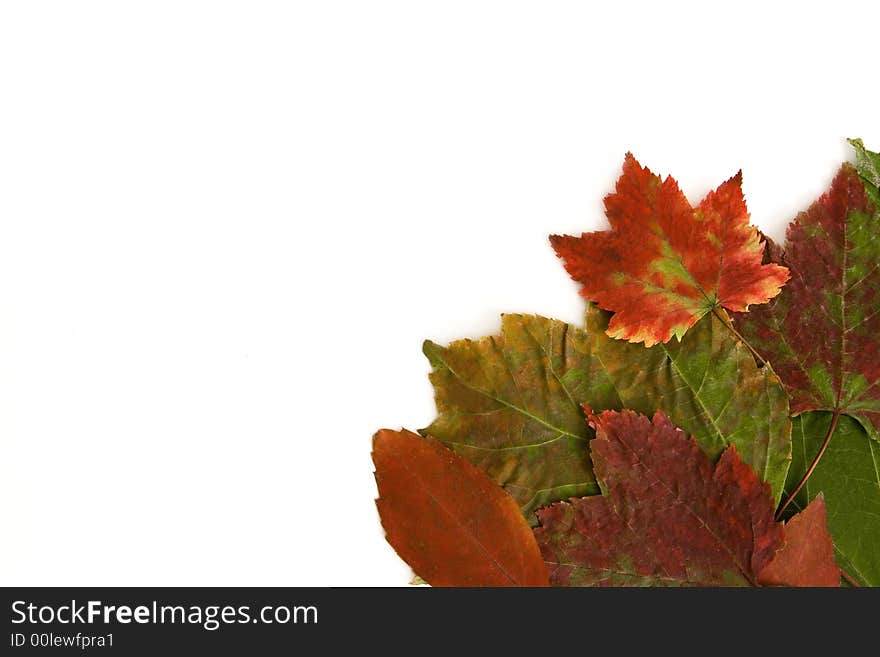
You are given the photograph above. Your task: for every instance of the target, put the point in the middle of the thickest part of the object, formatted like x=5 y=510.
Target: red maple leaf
x=669 y=517
x=664 y=264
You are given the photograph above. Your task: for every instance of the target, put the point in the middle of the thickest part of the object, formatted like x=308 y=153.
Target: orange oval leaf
x=452 y=524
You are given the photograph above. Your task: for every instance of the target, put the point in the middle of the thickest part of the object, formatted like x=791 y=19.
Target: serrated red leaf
x=822 y=334
x=668 y=516
x=452 y=524
x=664 y=264
x=807 y=558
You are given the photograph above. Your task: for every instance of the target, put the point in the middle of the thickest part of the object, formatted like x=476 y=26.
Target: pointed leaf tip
x=867 y=163
x=807 y=557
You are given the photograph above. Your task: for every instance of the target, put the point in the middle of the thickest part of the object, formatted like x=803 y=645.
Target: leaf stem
x=809 y=472
x=729 y=324
x=850 y=579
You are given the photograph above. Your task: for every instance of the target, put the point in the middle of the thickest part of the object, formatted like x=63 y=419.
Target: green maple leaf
x=511 y=404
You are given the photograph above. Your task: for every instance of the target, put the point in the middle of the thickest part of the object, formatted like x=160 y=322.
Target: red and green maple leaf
x=669 y=517
x=665 y=264
x=822 y=334
x=452 y=524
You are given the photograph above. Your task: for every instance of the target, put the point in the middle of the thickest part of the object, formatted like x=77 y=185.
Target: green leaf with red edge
x=667 y=516
x=665 y=264
x=452 y=524
x=822 y=334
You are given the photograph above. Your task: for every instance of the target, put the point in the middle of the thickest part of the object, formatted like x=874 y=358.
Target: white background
x=226 y=227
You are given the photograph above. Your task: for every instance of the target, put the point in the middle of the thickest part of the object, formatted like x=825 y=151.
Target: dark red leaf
x=668 y=516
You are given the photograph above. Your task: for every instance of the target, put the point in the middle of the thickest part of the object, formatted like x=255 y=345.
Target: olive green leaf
x=709 y=385
x=511 y=403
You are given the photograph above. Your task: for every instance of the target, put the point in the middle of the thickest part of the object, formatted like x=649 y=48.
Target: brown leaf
x=807 y=559
x=452 y=524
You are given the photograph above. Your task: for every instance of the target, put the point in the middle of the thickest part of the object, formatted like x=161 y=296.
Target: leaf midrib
x=509 y=405
x=733 y=557
x=465 y=530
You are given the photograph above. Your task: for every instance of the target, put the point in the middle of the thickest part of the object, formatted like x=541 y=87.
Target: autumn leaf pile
x=714 y=422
